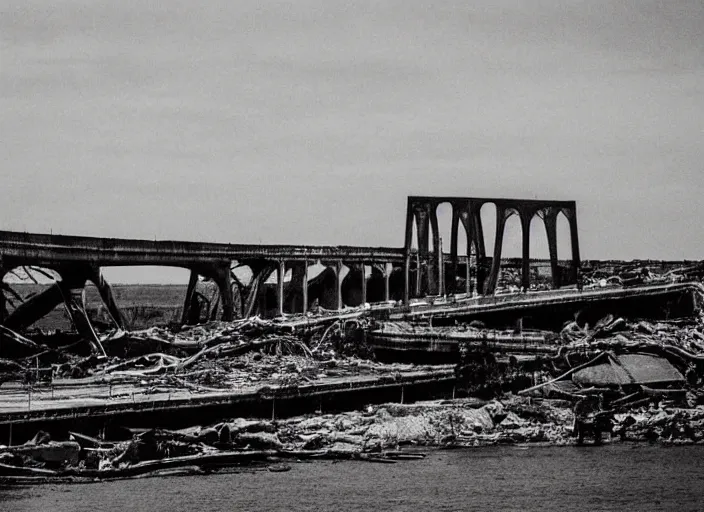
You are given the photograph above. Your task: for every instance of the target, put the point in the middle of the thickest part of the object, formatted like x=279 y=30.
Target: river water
x=613 y=477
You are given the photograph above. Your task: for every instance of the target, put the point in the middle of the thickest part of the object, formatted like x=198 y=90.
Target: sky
x=310 y=122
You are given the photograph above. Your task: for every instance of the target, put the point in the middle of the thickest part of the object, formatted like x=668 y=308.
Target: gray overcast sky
x=311 y=121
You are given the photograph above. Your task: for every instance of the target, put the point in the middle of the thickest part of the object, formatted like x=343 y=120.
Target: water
x=618 y=477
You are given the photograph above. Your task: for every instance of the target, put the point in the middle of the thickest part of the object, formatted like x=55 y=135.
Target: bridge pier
x=280 y=275
x=574 y=239
x=525 y=262
x=454 y=266
x=550 y=221
x=220 y=273
x=261 y=270
x=501 y=217
x=407 y=280
x=467 y=276
x=338 y=285
x=304 y=288
x=435 y=264
x=424 y=279
x=364 y=283
x=388 y=269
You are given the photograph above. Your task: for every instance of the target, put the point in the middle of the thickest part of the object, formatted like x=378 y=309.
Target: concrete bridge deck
x=48 y=250
x=515 y=302
x=78 y=259
x=90 y=406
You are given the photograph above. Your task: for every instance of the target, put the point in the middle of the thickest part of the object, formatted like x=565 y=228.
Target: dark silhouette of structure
x=433 y=276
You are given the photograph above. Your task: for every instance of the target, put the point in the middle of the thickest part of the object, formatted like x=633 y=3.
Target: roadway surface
x=43 y=249
x=67 y=398
x=462 y=305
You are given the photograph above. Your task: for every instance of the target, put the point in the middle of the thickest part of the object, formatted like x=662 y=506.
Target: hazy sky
x=311 y=121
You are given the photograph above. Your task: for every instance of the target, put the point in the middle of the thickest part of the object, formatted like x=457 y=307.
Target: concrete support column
x=550 y=220
x=388 y=269
x=406 y=280
x=452 y=275
x=338 y=284
x=469 y=231
x=574 y=236
x=479 y=234
x=423 y=279
x=478 y=240
x=220 y=272
x=190 y=290
x=498 y=244
x=441 y=268
x=261 y=270
x=261 y=305
x=525 y=267
x=280 y=275
x=434 y=270
x=364 y=284
x=304 y=288
x=468 y=275
x=410 y=215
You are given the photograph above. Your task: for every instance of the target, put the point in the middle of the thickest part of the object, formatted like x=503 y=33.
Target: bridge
x=391 y=273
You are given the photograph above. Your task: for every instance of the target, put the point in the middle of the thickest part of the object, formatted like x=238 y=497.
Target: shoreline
x=387 y=433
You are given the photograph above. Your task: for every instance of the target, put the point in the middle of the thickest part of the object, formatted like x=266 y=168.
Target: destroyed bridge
x=351 y=275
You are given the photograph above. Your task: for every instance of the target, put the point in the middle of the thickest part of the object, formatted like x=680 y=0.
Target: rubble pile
x=384 y=433
x=211 y=356
x=609 y=331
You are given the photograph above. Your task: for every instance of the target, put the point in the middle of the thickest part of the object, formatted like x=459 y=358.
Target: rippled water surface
x=618 y=477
